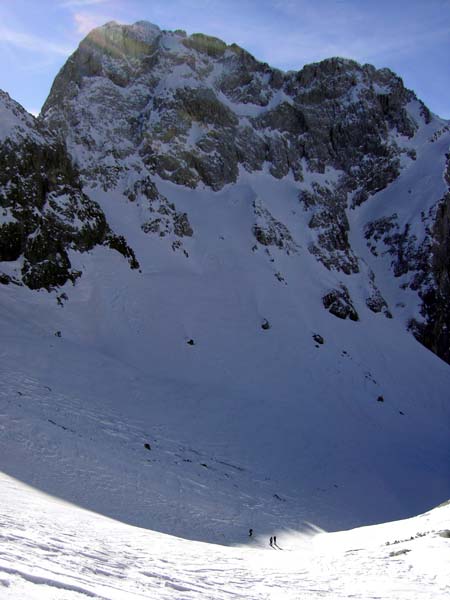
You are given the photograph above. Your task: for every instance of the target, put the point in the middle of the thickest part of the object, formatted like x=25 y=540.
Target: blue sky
x=412 y=37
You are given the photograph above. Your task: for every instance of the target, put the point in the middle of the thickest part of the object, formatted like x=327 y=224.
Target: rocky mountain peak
x=195 y=96
x=139 y=108
x=127 y=41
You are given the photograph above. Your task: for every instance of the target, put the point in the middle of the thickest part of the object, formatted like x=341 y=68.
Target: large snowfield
x=53 y=550
x=246 y=428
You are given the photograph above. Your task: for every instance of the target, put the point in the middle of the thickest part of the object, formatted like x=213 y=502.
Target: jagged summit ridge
x=192 y=109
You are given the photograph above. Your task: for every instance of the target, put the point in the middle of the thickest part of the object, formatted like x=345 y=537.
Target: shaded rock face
x=270 y=232
x=423 y=265
x=339 y=304
x=377 y=304
x=162 y=218
x=434 y=332
x=327 y=207
x=46 y=213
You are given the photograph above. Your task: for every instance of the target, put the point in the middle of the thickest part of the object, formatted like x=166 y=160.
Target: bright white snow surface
x=51 y=550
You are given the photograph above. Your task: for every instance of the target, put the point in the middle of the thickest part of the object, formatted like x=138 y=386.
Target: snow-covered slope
x=53 y=550
x=353 y=430
x=259 y=346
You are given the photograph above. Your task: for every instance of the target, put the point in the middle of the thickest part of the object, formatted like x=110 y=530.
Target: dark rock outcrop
x=48 y=213
x=339 y=304
x=434 y=333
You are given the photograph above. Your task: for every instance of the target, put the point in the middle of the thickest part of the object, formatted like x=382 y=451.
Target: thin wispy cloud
x=411 y=37
x=33 y=43
x=289 y=50
x=303 y=35
x=81 y=3
x=86 y=22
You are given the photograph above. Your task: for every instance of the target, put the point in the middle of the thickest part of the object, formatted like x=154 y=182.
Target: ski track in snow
x=55 y=551
x=99 y=452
